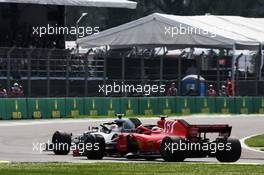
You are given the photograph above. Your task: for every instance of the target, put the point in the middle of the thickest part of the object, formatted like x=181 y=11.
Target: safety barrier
x=44 y=108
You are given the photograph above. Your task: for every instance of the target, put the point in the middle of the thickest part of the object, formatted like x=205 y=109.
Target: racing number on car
x=169 y=126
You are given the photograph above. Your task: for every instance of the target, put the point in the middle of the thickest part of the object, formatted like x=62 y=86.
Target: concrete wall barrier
x=44 y=108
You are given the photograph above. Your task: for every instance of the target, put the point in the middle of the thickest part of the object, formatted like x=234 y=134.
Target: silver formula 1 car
x=101 y=137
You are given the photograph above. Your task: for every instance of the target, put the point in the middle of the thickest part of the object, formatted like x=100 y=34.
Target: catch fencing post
x=67 y=74
x=29 y=72
x=233 y=68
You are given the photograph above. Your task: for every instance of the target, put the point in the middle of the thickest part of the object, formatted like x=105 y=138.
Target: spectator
x=17 y=90
x=172 y=91
x=211 y=91
x=230 y=90
x=223 y=91
x=3 y=92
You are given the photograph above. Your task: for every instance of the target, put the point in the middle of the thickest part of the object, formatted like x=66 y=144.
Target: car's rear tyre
x=170 y=149
x=135 y=121
x=61 y=143
x=231 y=152
x=94 y=146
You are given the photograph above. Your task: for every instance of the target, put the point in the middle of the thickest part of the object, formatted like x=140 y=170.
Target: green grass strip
x=256 y=141
x=129 y=169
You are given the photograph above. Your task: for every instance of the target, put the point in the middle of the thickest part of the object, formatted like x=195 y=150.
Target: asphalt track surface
x=17 y=137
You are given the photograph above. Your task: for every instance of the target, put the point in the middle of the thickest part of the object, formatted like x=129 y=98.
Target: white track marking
x=50 y=121
x=55 y=121
x=247 y=147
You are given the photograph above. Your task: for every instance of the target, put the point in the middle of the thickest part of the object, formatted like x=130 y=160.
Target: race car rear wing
x=184 y=129
x=223 y=130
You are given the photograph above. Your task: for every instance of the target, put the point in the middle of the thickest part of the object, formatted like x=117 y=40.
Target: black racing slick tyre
x=169 y=149
x=61 y=143
x=94 y=146
x=231 y=151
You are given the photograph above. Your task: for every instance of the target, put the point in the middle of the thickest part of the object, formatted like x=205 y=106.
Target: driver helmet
x=156 y=129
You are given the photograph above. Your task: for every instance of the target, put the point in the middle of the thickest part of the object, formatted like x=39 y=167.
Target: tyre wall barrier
x=45 y=108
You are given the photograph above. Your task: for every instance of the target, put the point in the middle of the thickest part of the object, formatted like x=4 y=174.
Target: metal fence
x=58 y=73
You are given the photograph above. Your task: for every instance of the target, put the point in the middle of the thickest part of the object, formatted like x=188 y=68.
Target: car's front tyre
x=61 y=143
x=94 y=146
x=168 y=149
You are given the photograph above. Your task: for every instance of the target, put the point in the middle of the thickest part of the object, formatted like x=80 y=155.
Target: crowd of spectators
x=226 y=90
x=15 y=91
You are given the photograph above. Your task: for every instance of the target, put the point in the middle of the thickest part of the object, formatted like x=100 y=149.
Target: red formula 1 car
x=172 y=140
